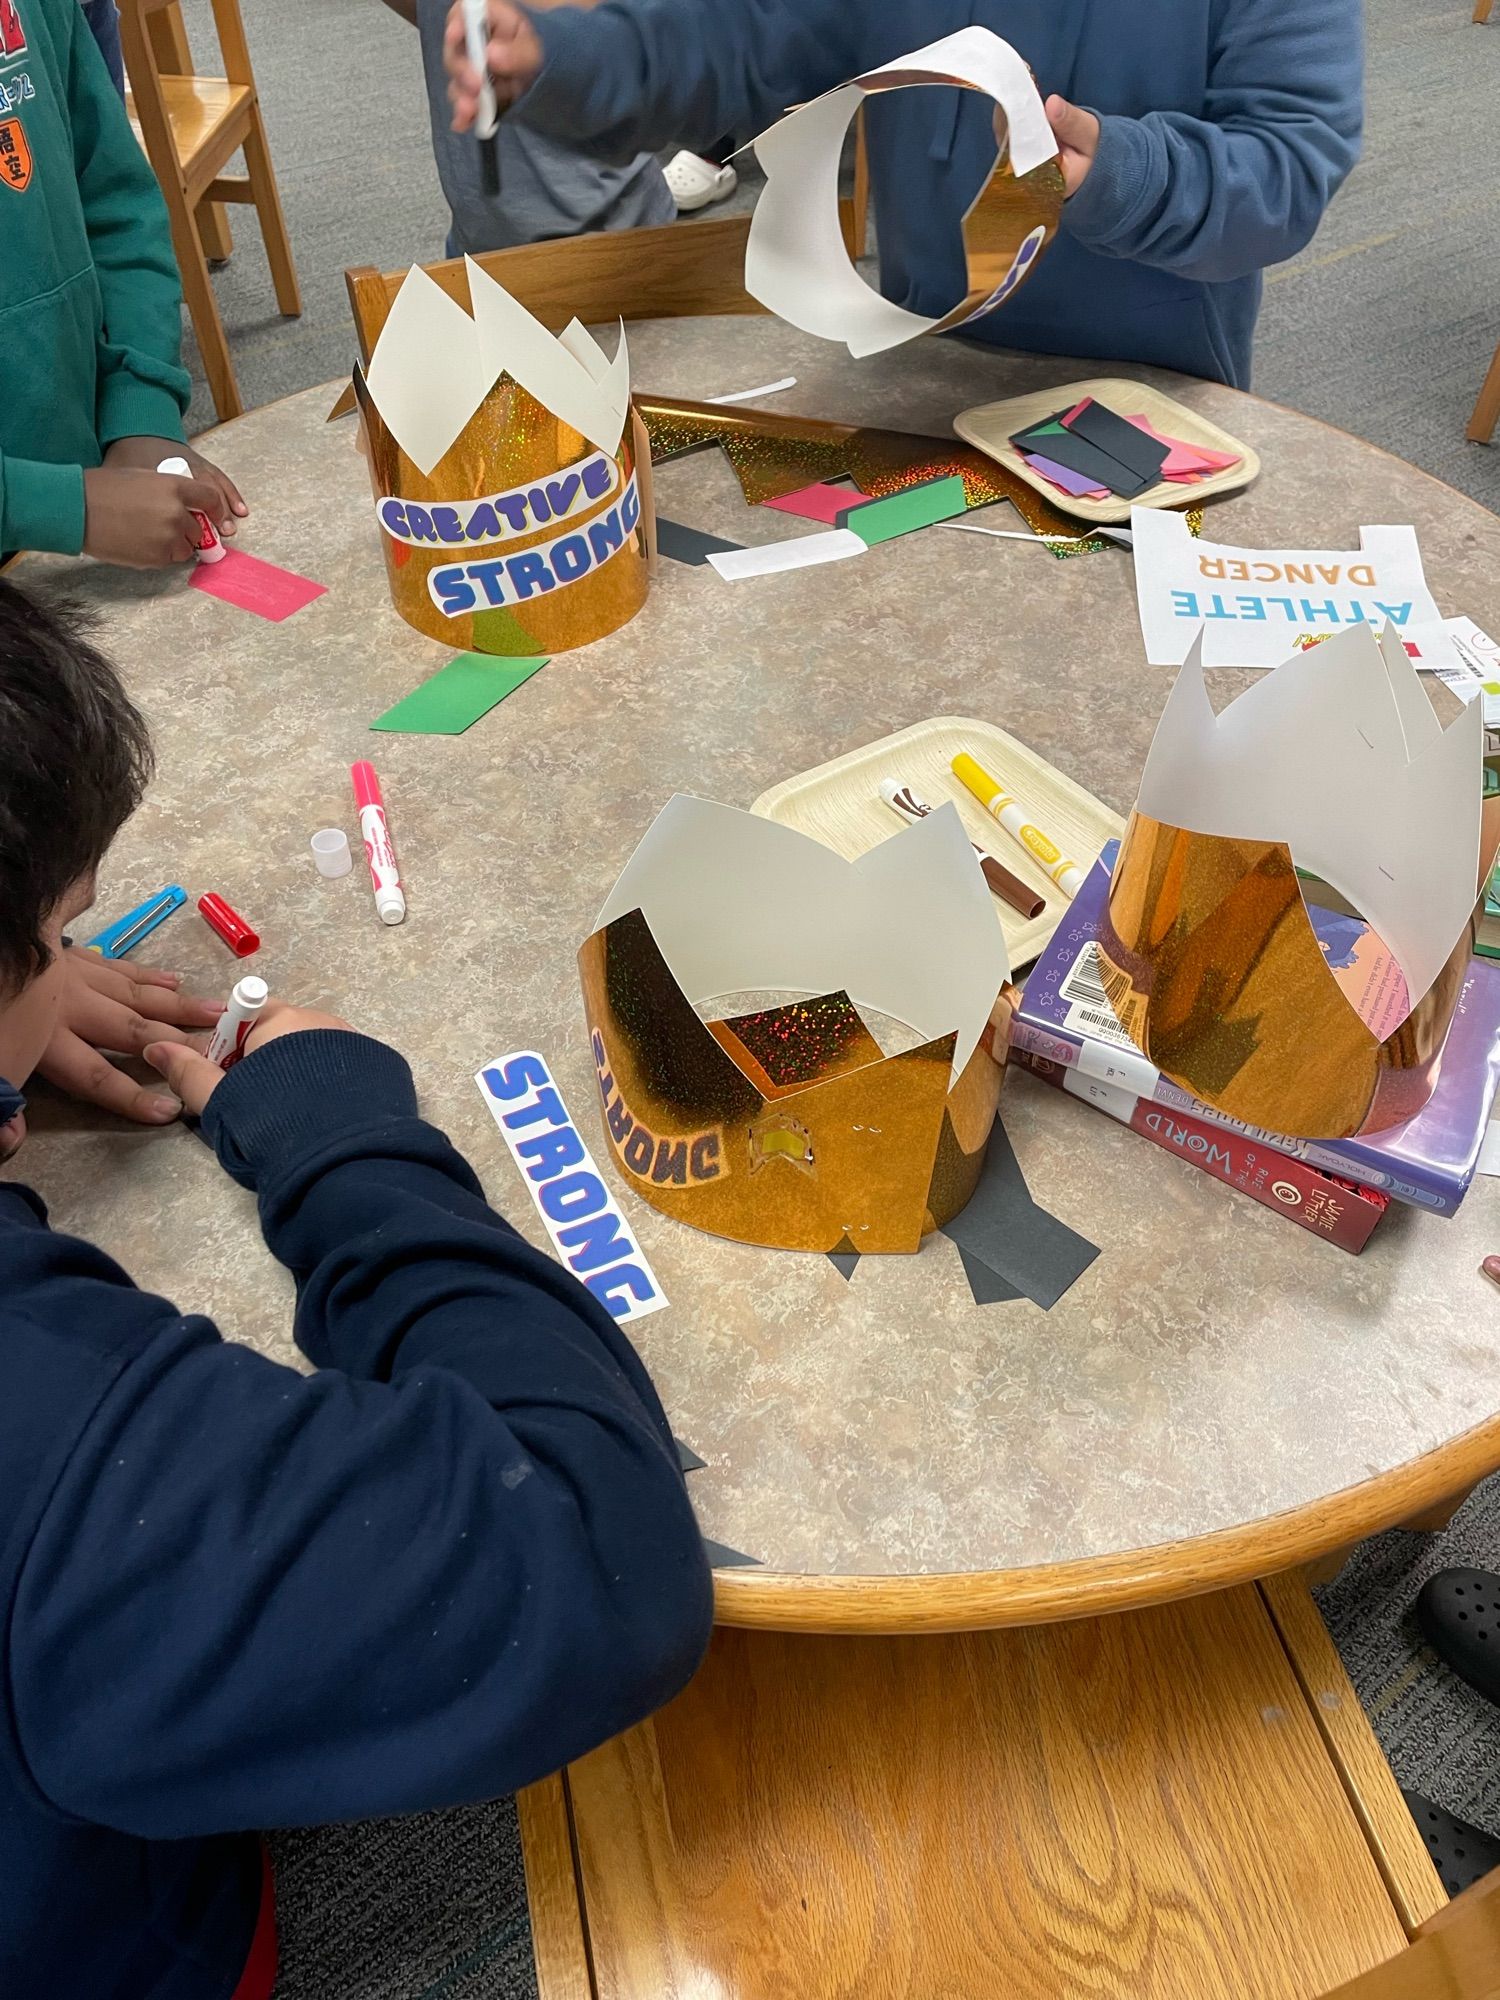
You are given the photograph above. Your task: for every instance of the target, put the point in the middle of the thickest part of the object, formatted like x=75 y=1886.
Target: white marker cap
x=251 y=992
x=330 y=851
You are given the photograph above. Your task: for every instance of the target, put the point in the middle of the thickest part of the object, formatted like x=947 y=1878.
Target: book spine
x=1304 y=1194
x=1438 y=1197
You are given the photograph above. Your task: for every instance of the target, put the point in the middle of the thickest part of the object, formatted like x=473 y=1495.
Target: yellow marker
x=1007 y=808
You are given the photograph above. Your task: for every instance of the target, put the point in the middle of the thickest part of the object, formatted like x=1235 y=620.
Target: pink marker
x=385 y=876
x=210 y=549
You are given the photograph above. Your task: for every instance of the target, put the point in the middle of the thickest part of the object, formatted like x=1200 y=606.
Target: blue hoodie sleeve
x=1244 y=186
x=626 y=78
x=458 y=1556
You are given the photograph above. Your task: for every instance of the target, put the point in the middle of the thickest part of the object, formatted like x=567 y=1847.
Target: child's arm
x=626 y=79
x=456 y=1558
x=1245 y=186
x=143 y=386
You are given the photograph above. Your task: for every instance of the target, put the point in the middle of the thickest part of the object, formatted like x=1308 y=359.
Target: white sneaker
x=696 y=183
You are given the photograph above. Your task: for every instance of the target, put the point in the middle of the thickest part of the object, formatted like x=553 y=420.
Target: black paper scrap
x=720 y=1556
x=843 y=1257
x=1078 y=455
x=687 y=1458
x=988 y=1287
x=1004 y=1229
x=689 y=545
x=1136 y=450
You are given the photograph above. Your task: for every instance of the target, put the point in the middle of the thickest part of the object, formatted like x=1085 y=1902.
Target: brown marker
x=1009 y=888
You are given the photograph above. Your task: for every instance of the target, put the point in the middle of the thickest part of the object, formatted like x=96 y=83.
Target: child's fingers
x=192 y=1076
x=73 y=1066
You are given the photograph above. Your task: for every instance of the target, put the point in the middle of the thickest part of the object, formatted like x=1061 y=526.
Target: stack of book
x=1065 y=1032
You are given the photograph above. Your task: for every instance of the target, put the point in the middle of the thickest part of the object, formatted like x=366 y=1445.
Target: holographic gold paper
x=1211 y=962
x=787 y=1127
x=509 y=441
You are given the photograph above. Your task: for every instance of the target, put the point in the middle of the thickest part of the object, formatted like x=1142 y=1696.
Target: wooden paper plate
x=840 y=804
x=992 y=425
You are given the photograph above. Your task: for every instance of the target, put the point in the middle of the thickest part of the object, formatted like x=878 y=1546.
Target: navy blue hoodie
x=1227 y=125
x=235 y=1596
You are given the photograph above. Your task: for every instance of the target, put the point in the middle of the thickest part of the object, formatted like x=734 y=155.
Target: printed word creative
x=581 y=1216
x=500 y=517
x=459 y=588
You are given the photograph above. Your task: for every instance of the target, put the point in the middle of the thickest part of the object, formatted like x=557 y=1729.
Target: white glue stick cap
x=330 y=851
x=390 y=906
x=178 y=465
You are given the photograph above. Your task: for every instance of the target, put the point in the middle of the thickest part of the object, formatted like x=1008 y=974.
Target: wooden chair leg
x=861 y=191
x=1482 y=9
x=213 y=227
x=1487 y=409
x=203 y=308
x=272 y=222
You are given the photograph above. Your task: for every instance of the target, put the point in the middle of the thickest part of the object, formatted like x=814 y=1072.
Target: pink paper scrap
x=256 y=585
x=1183 y=460
x=820 y=502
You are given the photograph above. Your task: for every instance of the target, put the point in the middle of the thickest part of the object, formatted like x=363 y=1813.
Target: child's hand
x=146 y=453
x=195 y=1079
x=143 y=519
x=513 y=57
x=1077 y=134
x=106 y=1004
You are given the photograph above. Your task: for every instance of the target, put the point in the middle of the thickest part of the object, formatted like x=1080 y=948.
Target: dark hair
x=75 y=757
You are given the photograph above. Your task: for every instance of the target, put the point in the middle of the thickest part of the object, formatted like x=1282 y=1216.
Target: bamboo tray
x=990 y=426
x=839 y=803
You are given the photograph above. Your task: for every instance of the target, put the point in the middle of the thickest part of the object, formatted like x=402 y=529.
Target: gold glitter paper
x=1212 y=964
x=785 y=1128
x=511 y=441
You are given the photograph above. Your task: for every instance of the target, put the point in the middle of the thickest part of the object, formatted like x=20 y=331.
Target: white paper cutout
x=737 y=903
x=1318 y=755
x=434 y=364
x=1253 y=605
x=797 y=552
x=796 y=261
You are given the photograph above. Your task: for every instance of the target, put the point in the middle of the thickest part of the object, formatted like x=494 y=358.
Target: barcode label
x=1089 y=1011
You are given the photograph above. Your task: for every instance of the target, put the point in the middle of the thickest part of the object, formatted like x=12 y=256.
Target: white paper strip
x=424 y=402
x=588 y=1230
x=1489 y=1150
x=796 y=261
x=1326 y=755
x=750 y=395
x=1253 y=605
x=739 y=903
x=800 y=552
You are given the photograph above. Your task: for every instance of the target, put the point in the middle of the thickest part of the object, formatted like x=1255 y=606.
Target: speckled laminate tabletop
x=1213 y=1367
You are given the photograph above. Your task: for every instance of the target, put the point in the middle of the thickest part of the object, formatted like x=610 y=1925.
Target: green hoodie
x=90 y=300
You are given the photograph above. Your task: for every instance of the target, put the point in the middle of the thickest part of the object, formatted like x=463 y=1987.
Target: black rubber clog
x=1459 y=1614
x=1460 y=1853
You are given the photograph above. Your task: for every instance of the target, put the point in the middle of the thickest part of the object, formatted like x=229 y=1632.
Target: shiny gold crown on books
x=785 y=1123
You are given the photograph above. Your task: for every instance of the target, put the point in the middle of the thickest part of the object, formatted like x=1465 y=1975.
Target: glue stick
x=210 y=549
x=246 y=1004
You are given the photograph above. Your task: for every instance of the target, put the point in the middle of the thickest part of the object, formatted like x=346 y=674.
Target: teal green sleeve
x=41 y=506
x=143 y=387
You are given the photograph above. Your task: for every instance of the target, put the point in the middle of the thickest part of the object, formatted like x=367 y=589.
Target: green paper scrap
x=899 y=513
x=457 y=695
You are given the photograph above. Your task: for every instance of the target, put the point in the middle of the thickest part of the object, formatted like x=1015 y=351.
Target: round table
x=1219 y=1397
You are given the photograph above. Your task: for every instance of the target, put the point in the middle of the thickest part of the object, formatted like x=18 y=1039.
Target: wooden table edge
x=1125 y=1580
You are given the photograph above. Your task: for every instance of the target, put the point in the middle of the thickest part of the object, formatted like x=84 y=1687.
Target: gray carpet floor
x=1384 y=327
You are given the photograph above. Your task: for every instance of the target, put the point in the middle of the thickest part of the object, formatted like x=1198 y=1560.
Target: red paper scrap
x=820 y=502
x=256 y=585
x=1183 y=460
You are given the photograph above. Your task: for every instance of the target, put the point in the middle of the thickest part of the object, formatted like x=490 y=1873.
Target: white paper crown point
x=434 y=364
x=1339 y=755
x=737 y=903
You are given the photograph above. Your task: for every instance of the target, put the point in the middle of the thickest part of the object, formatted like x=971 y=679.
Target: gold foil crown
x=786 y=1124
x=1290 y=914
x=504 y=476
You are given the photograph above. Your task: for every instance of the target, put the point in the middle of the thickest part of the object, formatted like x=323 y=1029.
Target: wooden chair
x=1487 y=409
x=1185 y=1803
x=1482 y=9
x=191 y=126
x=683 y=269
